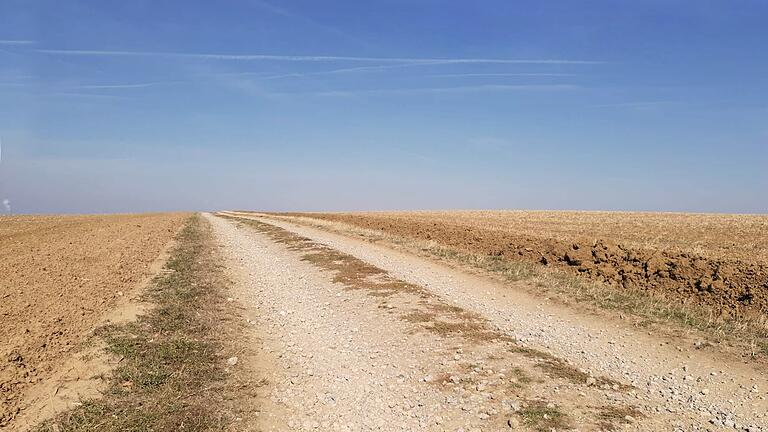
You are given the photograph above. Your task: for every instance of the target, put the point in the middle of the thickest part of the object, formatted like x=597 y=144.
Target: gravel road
x=361 y=337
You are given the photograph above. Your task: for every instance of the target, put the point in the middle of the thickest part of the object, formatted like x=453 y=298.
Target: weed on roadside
x=611 y=418
x=169 y=377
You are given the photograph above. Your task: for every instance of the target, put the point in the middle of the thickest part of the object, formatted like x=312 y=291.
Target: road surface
x=359 y=337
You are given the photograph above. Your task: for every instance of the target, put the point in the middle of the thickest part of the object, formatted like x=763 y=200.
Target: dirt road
x=360 y=337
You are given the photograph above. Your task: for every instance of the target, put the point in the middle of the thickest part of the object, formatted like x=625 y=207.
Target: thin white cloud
x=16 y=42
x=84 y=96
x=267 y=76
x=290 y=75
x=634 y=104
x=460 y=89
x=378 y=68
x=124 y=86
x=310 y=58
x=84 y=91
x=481 y=75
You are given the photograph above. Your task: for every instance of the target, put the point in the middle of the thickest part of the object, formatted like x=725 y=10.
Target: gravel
x=345 y=360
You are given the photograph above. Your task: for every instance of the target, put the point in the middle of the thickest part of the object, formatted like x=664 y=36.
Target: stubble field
x=59 y=275
x=720 y=261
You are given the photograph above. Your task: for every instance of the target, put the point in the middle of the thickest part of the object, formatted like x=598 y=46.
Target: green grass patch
x=542 y=416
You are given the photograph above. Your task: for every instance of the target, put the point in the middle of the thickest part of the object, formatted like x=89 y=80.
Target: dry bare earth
x=60 y=276
x=366 y=338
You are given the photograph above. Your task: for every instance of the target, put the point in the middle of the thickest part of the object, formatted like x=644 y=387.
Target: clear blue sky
x=115 y=106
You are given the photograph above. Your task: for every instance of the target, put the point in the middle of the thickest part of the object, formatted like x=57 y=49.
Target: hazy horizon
x=433 y=210
x=114 y=107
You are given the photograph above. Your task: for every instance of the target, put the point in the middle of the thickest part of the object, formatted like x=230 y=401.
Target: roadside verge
x=179 y=366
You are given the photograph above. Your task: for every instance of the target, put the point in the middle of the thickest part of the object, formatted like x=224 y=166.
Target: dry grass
x=542 y=416
x=748 y=330
x=171 y=376
x=348 y=270
x=613 y=418
x=59 y=275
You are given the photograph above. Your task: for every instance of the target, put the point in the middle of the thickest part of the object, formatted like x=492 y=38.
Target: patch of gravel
x=342 y=362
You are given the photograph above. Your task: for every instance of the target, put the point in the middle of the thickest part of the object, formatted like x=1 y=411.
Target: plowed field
x=715 y=260
x=58 y=277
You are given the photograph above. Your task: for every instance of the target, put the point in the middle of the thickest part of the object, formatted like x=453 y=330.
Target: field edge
x=175 y=366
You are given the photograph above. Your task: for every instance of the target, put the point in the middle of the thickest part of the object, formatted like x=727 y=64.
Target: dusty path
x=364 y=338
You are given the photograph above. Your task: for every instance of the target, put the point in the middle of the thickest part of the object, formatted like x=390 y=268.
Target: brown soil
x=60 y=276
x=720 y=261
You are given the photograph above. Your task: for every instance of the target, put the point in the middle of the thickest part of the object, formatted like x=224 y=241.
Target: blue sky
x=114 y=106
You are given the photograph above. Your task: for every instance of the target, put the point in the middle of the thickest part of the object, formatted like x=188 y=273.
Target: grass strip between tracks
x=171 y=375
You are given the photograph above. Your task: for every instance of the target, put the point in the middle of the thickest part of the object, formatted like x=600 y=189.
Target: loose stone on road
x=361 y=338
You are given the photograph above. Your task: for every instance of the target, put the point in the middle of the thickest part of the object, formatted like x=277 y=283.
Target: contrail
x=16 y=42
x=307 y=58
